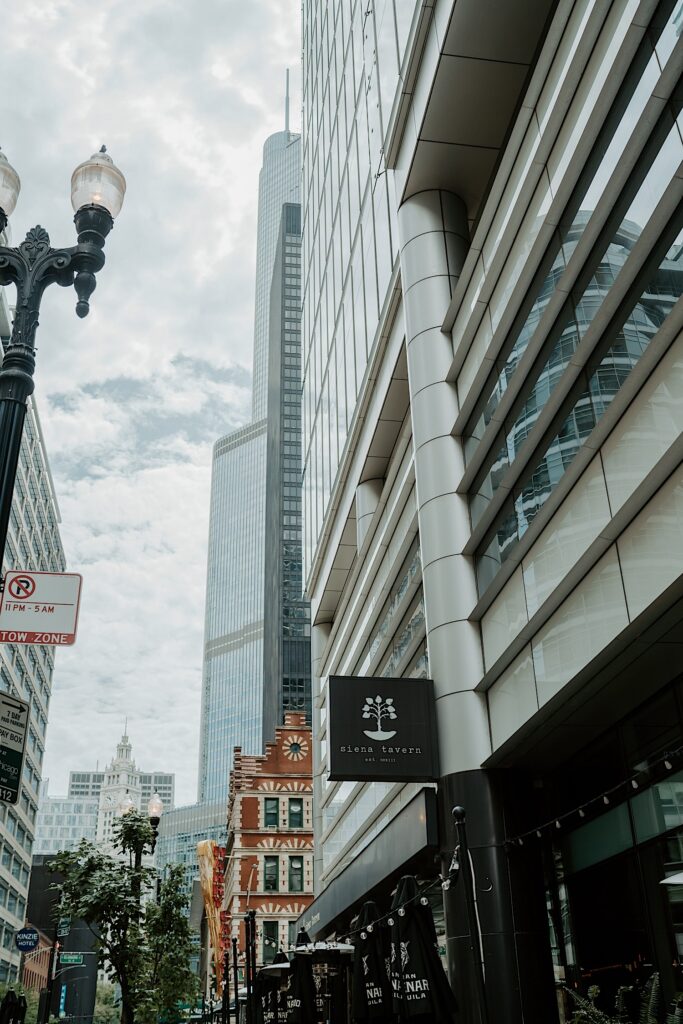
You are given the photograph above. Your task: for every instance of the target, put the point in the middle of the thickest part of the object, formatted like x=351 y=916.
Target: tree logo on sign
x=380 y=710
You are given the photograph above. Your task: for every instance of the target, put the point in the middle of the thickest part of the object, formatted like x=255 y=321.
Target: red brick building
x=269 y=854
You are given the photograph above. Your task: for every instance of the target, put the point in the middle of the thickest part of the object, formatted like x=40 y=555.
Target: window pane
x=296 y=874
x=270 y=874
x=271 y=811
x=296 y=813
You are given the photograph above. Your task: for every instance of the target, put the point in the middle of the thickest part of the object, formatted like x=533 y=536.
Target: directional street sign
x=40 y=607
x=71 y=958
x=26 y=939
x=63 y=927
x=13 y=727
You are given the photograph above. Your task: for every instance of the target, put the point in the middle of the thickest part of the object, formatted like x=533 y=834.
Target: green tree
x=170 y=981
x=32 y=999
x=107 y=893
x=107 y=1010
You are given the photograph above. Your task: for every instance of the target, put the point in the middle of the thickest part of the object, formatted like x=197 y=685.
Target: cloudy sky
x=132 y=398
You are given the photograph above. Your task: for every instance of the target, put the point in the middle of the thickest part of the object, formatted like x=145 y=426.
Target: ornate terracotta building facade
x=269 y=854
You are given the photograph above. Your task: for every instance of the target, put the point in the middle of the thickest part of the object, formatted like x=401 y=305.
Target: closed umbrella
x=301 y=994
x=20 y=1010
x=8 y=1006
x=420 y=987
x=372 y=1000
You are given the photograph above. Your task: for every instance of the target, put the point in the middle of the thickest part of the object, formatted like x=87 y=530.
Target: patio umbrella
x=301 y=994
x=265 y=996
x=8 y=1006
x=20 y=1010
x=418 y=980
x=371 y=1001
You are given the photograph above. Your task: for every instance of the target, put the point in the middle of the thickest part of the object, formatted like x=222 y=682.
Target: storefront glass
x=612 y=923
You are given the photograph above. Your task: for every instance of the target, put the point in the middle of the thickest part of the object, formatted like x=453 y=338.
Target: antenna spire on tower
x=287 y=100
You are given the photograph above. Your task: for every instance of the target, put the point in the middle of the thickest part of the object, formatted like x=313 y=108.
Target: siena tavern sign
x=381 y=729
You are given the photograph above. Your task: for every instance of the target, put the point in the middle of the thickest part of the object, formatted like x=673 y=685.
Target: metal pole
x=249 y=922
x=32 y=267
x=236 y=979
x=472 y=923
x=225 y=1005
x=54 y=955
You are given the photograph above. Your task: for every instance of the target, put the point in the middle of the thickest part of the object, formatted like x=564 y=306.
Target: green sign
x=71 y=958
x=64 y=927
x=13 y=727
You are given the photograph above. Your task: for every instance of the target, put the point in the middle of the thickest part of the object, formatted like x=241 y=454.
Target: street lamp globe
x=98 y=182
x=155 y=808
x=10 y=186
x=127 y=804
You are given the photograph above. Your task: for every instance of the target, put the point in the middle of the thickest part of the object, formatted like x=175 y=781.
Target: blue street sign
x=26 y=939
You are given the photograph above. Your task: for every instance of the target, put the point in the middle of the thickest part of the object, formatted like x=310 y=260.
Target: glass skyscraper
x=493 y=487
x=232 y=684
x=233 y=632
x=287 y=645
x=279 y=183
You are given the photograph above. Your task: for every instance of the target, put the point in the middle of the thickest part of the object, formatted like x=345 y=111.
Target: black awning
x=413 y=831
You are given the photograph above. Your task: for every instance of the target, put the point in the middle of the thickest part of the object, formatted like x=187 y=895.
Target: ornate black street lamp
x=97 y=191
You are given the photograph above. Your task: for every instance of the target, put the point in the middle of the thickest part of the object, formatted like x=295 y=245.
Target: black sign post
x=381 y=729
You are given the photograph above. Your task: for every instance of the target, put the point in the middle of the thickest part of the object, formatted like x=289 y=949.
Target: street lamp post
x=155 y=808
x=97 y=191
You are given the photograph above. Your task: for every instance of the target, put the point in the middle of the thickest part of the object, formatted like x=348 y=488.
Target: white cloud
x=132 y=398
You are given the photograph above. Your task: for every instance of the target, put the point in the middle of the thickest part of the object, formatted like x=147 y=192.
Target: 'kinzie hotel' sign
x=381 y=729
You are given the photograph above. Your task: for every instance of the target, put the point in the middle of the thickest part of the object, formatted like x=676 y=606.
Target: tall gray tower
x=278 y=183
x=232 y=681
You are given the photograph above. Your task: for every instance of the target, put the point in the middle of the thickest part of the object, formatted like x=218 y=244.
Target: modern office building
x=279 y=182
x=26 y=671
x=85 y=784
x=286 y=614
x=232 y=682
x=62 y=822
x=493 y=369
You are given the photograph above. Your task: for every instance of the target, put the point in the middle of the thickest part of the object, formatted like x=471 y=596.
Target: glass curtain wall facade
x=287 y=647
x=62 y=822
x=33 y=543
x=232 y=684
x=492 y=325
x=279 y=182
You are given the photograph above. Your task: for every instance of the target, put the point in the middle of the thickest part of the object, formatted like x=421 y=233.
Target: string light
x=666 y=762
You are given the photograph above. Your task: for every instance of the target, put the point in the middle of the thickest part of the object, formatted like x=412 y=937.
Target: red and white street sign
x=40 y=607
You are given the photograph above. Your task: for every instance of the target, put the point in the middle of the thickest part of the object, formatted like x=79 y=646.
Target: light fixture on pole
x=126 y=804
x=155 y=808
x=97 y=191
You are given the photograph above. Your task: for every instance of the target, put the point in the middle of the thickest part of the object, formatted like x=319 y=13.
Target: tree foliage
x=143 y=946
x=107 y=1009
